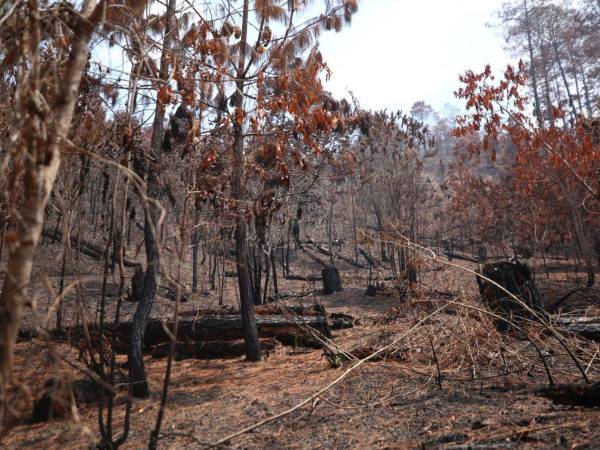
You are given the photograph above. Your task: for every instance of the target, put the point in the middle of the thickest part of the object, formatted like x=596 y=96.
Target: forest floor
x=451 y=380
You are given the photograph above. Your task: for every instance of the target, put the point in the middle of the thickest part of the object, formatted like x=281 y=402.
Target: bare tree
x=40 y=134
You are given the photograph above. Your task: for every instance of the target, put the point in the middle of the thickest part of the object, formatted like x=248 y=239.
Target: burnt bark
x=586 y=395
x=331 y=280
x=152 y=228
x=516 y=279
x=195 y=249
x=239 y=194
x=212 y=328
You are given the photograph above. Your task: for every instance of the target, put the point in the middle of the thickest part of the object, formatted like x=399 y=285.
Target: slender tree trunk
x=549 y=110
x=3 y=229
x=586 y=90
x=213 y=264
x=536 y=96
x=354 y=237
x=286 y=267
x=575 y=78
x=558 y=92
x=137 y=372
x=379 y=220
x=196 y=238
x=222 y=281
x=274 y=267
x=239 y=194
x=329 y=233
x=267 y=274
x=195 y=249
x=61 y=288
x=564 y=78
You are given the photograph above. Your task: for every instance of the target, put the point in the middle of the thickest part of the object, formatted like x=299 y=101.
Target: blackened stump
x=331 y=280
x=516 y=279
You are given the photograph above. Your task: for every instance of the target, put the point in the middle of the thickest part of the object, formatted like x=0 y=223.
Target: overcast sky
x=399 y=51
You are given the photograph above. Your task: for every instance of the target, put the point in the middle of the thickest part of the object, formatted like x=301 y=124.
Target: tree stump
x=54 y=403
x=516 y=279
x=331 y=280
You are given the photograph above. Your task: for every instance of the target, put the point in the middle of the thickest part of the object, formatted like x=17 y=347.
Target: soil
x=453 y=381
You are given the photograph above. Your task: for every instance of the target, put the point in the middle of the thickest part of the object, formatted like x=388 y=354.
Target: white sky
x=396 y=52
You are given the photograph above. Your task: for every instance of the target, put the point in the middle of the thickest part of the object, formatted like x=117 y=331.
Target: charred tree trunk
x=267 y=275
x=239 y=194
x=257 y=271
x=379 y=224
x=220 y=328
x=61 y=288
x=195 y=249
x=137 y=372
x=152 y=228
x=212 y=266
x=3 y=229
x=286 y=267
x=274 y=267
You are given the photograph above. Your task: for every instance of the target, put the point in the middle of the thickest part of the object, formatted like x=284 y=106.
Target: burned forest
x=257 y=224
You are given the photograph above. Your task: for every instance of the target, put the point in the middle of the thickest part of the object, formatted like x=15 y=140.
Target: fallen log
x=168 y=290
x=336 y=321
x=328 y=252
x=283 y=296
x=586 y=395
x=315 y=258
x=452 y=255
x=260 y=310
x=314 y=310
x=589 y=285
x=322 y=249
x=288 y=330
x=210 y=350
x=87 y=248
x=588 y=327
x=340 y=321
x=303 y=278
x=215 y=328
x=370 y=259
x=351 y=261
x=170 y=293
